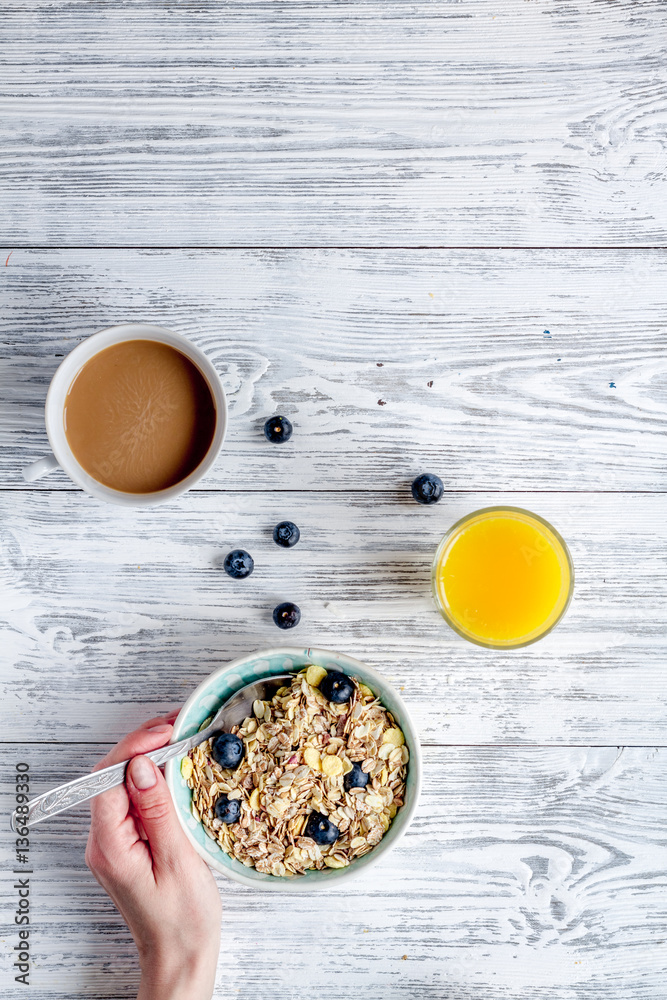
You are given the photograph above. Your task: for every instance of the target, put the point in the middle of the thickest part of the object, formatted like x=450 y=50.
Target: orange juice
x=502 y=577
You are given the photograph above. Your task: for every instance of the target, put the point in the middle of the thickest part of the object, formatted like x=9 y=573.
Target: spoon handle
x=90 y=785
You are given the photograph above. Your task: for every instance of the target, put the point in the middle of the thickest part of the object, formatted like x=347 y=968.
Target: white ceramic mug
x=63 y=456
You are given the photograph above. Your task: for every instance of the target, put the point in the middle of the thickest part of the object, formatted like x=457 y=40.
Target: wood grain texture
x=513 y=370
x=112 y=616
x=452 y=123
x=536 y=378
x=533 y=872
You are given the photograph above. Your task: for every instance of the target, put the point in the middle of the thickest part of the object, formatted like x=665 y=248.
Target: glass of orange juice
x=502 y=577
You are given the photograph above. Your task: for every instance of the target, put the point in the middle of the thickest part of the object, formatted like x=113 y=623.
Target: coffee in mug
x=136 y=415
x=139 y=416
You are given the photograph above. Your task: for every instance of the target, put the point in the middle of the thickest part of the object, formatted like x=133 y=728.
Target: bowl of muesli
x=327 y=778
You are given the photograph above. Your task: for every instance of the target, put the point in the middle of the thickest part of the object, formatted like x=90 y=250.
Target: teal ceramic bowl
x=216 y=689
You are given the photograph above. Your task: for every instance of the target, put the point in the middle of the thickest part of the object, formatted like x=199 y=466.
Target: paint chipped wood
x=547 y=368
x=451 y=123
x=114 y=615
x=536 y=869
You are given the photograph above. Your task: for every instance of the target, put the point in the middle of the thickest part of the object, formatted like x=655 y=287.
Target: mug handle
x=40 y=468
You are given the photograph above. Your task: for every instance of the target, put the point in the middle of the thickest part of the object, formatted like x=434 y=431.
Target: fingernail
x=142 y=773
x=160 y=729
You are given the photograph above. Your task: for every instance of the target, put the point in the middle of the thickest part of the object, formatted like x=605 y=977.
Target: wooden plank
x=452 y=123
x=526 y=370
x=534 y=870
x=113 y=615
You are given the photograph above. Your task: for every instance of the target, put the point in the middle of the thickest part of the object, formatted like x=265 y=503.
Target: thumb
x=154 y=807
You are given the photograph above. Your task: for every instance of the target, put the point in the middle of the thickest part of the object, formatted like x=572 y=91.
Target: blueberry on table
x=226 y=809
x=239 y=564
x=427 y=488
x=286 y=534
x=336 y=687
x=286 y=615
x=321 y=830
x=227 y=750
x=278 y=429
x=356 y=778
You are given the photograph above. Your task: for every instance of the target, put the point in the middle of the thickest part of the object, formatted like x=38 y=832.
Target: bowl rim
x=301 y=885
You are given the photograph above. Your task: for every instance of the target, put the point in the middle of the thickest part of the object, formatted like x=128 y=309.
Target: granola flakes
x=298 y=749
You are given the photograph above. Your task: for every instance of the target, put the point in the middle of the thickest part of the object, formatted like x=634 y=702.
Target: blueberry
x=320 y=829
x=286 y=615
x=427 y=488
x=356 y=778
x=278 y=429
x=286 y=534
x=336 y=687
x=227 y=750
x=238 y=564
x=228 y=810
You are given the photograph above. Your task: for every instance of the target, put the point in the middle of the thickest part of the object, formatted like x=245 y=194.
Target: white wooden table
x=432 y=234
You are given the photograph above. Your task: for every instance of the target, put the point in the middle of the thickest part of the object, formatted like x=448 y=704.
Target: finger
x=160 y=720
x=110 y=851
x=137 y=821
x=109 y=809
x=138 y=742
x=154 y=806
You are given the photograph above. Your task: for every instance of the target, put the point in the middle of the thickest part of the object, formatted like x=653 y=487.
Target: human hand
x=165 y=892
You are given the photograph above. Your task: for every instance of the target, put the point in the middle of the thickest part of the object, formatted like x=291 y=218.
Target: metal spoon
x=232 y=713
